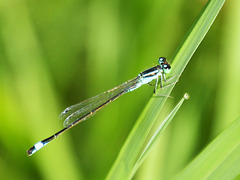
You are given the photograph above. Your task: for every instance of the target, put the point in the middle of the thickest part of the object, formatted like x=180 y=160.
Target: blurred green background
x=57 y=53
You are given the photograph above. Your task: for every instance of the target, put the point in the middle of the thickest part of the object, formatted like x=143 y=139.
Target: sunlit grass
x=126 y=160
x=54 y=54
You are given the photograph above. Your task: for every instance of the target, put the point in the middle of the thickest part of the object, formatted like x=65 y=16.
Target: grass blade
x=220 y=160
x=158 y=133
x=125 y=162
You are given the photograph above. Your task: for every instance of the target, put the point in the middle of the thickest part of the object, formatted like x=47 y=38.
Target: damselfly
x=85 y=109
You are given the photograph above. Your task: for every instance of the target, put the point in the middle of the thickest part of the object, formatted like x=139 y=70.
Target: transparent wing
x=78 y=111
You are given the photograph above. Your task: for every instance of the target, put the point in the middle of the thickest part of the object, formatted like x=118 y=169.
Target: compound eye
x=162 y=60
x=166 y=68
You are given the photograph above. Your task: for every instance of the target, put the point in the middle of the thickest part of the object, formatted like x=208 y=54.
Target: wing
x=76 y=112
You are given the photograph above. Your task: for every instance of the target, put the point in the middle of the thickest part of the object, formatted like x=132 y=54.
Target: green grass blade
x=125 y=162
x=158 y=133
x=196 y=35
x=220 y=160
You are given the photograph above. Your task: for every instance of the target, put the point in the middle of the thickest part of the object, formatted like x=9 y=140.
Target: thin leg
x=156 y=85
x=161 y=83
x=171 y=78
x=164 y=77
x=160 y=95
x=166 y=86
x=150 y=84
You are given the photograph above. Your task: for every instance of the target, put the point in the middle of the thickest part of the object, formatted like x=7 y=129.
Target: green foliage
x=126 y=160
x=220 y=160
x=55 y=54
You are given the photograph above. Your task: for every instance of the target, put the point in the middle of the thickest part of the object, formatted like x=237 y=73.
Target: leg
x=156 y=84
x=164 y=77
x=166 y=86
x=150 y=84
x=161 y=83
x=171 y=78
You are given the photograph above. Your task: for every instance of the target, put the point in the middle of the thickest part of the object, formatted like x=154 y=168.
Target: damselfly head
x=164 y=64
x=162 y=60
